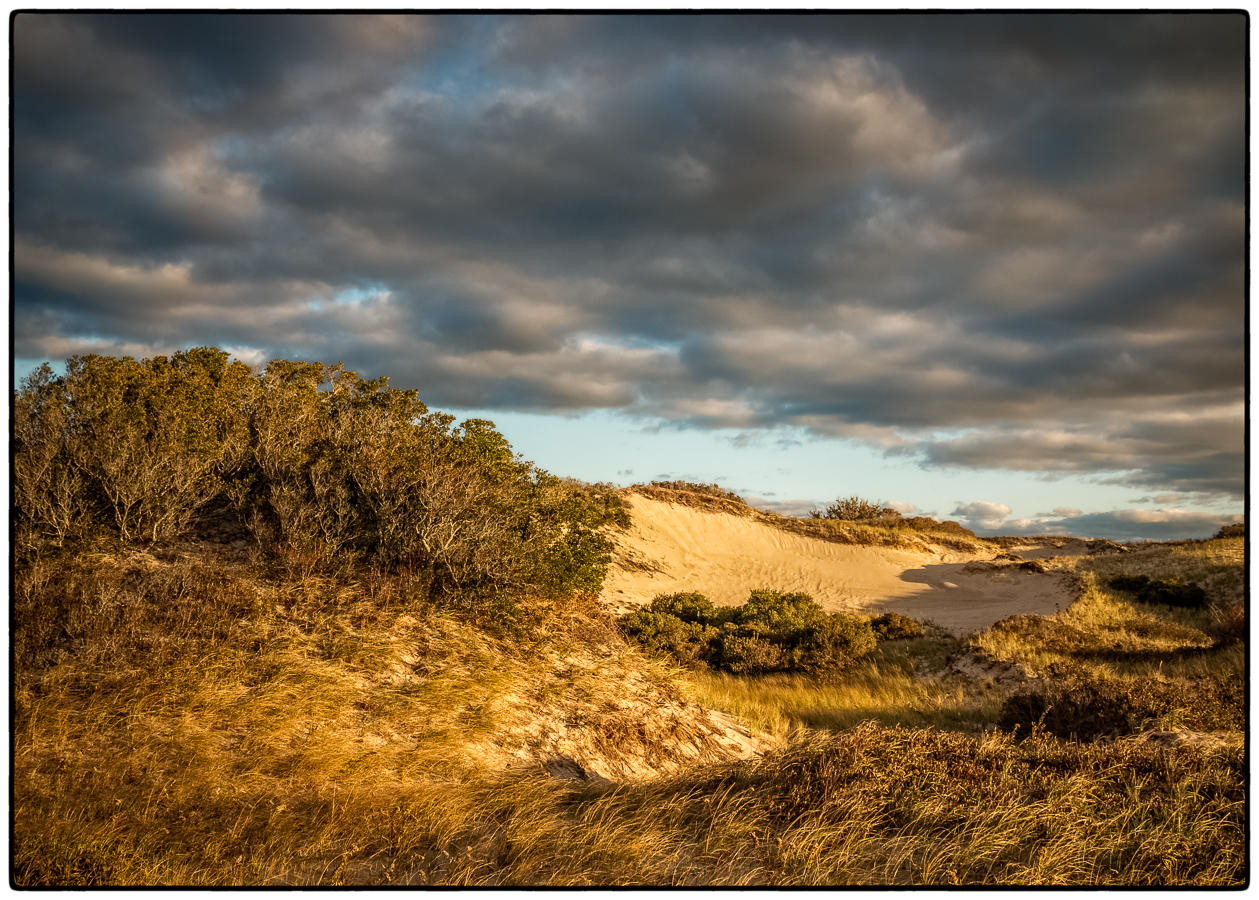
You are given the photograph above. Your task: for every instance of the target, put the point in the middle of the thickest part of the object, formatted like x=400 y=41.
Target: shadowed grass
x=887 y=687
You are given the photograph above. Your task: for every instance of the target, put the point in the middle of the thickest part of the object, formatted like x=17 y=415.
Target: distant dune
x=674 y=547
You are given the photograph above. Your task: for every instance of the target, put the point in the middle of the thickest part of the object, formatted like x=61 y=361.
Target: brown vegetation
x=296 y=629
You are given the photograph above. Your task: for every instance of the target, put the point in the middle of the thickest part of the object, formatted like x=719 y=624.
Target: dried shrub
x=1083 y=706
x=692 y=487
x=1230 y=621
x=856 y=509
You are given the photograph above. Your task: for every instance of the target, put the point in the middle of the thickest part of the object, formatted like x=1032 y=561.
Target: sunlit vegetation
x=886 y=528
x=325 y=472
x=773 y=631
x=291 y=627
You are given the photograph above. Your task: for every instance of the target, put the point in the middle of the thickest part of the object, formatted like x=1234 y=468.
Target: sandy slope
x=671 y=547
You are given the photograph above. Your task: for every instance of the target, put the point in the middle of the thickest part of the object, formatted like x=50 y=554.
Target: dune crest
x=672 y=547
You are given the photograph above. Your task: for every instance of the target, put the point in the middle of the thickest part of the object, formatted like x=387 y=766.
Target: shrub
x=852 y=509
x=690 y=643
x=1229 y=621
x=926 y=523
x=779 y=612
x=689 y=607
x=832 y=644
x=326 y=469
x=135 y=446
x=50 y=499
x=1231 y=531
x=773 y=631
x=893 y=626
x=1082 y=706
x=1168 y=591
x=748 y=649
x=692 y=487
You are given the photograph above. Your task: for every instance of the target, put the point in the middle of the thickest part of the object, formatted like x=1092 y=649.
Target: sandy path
x=671 y=547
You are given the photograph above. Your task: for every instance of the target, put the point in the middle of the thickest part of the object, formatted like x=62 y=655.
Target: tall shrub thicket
x=326 y=469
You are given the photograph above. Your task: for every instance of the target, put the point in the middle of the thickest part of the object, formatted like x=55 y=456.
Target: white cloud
x=982 y=514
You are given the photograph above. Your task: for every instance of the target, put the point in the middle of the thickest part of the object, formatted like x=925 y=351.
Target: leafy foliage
x=327 y=471
x=773 y=631
x=894 y=626
x=856 y=509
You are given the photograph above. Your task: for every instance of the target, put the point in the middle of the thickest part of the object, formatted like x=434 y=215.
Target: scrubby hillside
x=293 y=628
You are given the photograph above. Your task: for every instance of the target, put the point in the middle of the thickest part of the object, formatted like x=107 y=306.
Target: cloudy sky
x=988 y=267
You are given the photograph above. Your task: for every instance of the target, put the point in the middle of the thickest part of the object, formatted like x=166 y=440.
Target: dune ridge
x=673 y=547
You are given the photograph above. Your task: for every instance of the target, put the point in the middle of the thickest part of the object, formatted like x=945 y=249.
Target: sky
x=983 y=267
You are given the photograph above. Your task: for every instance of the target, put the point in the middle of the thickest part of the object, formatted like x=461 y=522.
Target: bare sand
x=671 y=547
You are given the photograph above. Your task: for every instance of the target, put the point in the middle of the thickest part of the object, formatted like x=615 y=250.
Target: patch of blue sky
x=354 y=296
x=24 y=366
x=779 y=465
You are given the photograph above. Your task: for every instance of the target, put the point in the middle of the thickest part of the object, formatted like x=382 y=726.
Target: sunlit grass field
x=206 y=724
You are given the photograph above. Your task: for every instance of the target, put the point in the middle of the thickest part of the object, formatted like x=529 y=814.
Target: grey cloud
x=1195 y=452
x=878 y=227
x=1121 y=525
x=1163 y=499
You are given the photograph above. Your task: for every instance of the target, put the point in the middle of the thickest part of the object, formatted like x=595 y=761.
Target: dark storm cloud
x=983 y=241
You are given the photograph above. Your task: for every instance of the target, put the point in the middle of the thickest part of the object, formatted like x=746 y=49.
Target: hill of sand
x=671 y=547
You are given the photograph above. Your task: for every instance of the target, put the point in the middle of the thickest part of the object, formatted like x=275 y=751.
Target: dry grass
x=1109 y=633
x=904 y=534
x=1217 y=565
x=901 y=683
x=315 y=734
x=188 y=722
x=1169 y=667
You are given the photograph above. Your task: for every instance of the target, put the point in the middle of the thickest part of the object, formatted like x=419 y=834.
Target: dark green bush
x=779 y=612
x=689 y=607
x=772 y=632
x=893 y=627
x=1168 y=591
x=749 y=649
x=832 y=644
x=690 y=643
x=1235 y=530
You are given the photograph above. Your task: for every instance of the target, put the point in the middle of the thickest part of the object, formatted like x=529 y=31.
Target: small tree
x=851 y=509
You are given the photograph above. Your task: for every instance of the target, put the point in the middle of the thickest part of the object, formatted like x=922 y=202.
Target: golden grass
x=1108 y=632
x=904 y=534
x=888 y=687
x=1217 y=565
x=189 y=723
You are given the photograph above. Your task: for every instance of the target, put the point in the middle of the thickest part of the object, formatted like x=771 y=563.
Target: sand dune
x=671 y=547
